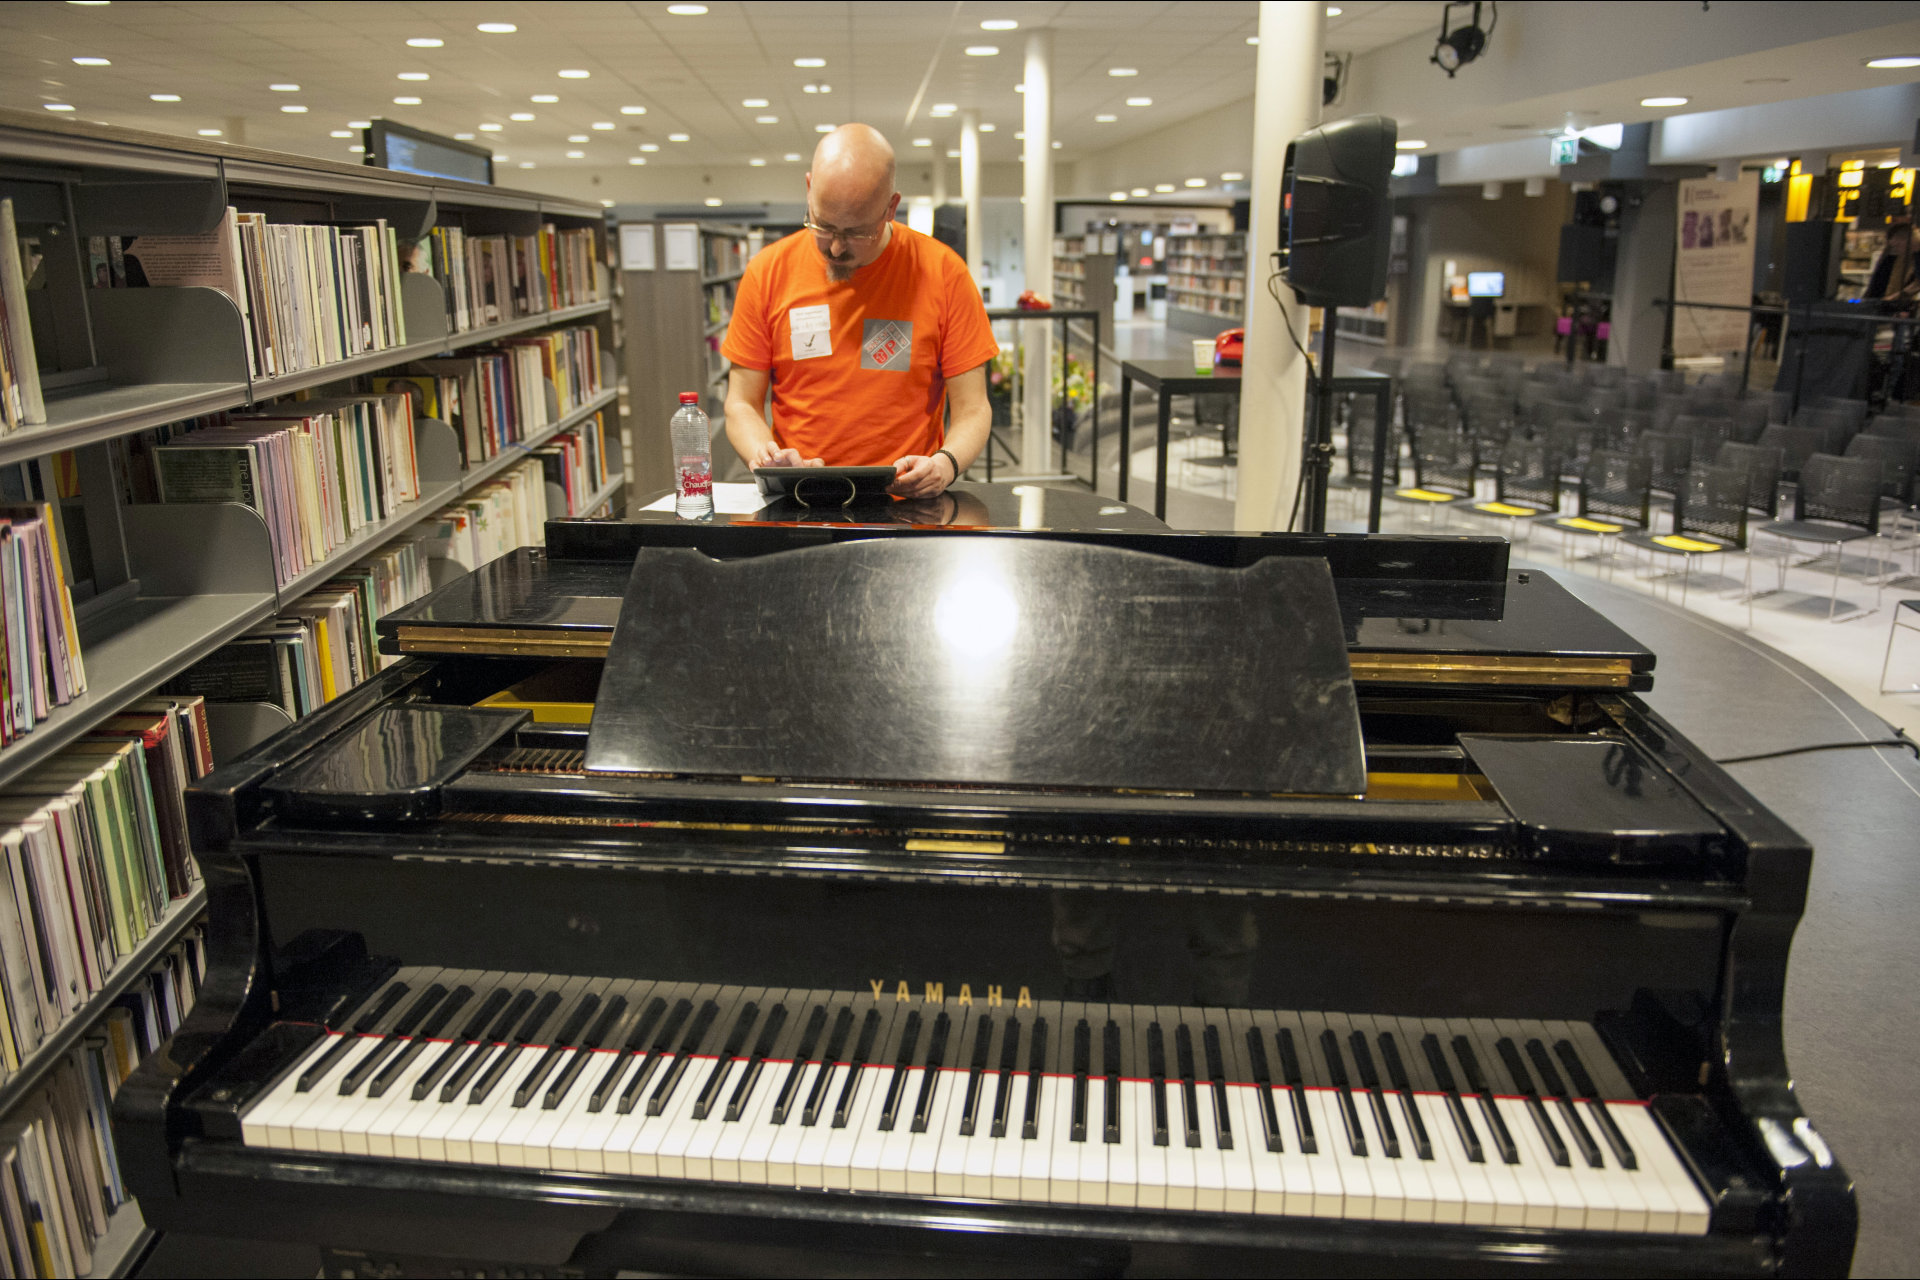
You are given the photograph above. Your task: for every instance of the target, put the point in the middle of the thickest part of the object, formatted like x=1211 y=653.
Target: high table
x=1365 y=382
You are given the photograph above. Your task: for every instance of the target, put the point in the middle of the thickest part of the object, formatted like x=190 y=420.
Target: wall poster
x=1713 y=262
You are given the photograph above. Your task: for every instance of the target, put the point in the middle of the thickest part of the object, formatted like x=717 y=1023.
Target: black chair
x=1760 y=463
x=1779 y=407
x=1666 y=408
x=1570 y=436
x=1855 y=410
x=1894 y=428
x=1709 y=519
x=1796 y=445
x=1641 y=393
x=1709 y=431
x=1614 y=496
x=1443 y=470
x=1360 y=453
x=1670 y=453
x=1838 y=502
x=1833 y=425
x=1898 y=458
x=1526 y=484
x=1750 y=418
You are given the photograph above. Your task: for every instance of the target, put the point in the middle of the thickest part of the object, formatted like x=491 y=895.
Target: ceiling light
x=606 y=204
x=463 y=137
x=714 y=202
x=1411 y=144
x=1122 y=71
x=603 y=124
x=1253 y=39
x=91 y=62
x=988 y=128
x=91 y=4
x=547 y=99
x=576 y=137
x=1233 y=177
x=521 y=116
x=58 y=106
x=413 y=75
x=1139 y=191
x=1105 y=119
x=1897 y=62
x=1333 y=11
x=500 y=155
x=809 y=62
x=425 y=42
x=753 y=103
x=1019 y=137
x=686 y=10
x=1057 y=144
x=633 y=111
x=1116 y=195
x=1139 y=102
x=294 y=109
x=357 y=149
x=953 y=153
x=526 y=164
x=823 y=128
x=636 y=159
x=677 y=137
x=209 y=133
x=341 y=133
x=1020 y=88
x=999 y=24
x=490 y=127
x=398 y=102
x=574 y=73
x=923 y=142
x=284 y=88
x=497 y=28
x=1663 y=102
x=1196 y=182
x=576 y=155
x=1456 y=48
x=791 y=156
x=983 y=51
x=368 y=124
x=649 y=146
x=766 y=119
x=1163 y=187
x=164 y=97
x=757 y=162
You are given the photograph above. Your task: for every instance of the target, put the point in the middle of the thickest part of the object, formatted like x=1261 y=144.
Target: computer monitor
x=1486 y=284
x=408 y=150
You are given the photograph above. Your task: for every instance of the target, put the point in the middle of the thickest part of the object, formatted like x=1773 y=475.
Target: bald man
x=865 y=330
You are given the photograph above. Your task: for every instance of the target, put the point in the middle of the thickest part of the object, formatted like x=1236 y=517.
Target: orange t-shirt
x=860 y=368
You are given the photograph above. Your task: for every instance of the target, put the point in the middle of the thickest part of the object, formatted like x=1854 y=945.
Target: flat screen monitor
x=1486 y=284
x=408 y=150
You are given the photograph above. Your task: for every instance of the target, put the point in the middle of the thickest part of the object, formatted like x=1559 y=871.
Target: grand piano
x=1000 y=884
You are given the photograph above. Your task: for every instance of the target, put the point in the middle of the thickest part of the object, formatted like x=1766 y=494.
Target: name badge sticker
x=811 y=331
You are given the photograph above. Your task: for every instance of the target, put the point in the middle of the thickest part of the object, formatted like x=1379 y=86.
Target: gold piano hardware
x=1426 y=668
x=936 y=993
x=956 y=846
x=552 y=642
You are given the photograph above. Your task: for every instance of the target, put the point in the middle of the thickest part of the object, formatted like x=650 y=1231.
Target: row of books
x=95 y=849
x=723 y=255
x=60 y=1180
x=576 y=462
x=490 y=279
x=497 y=397
x=40 y=664
x=20 y=400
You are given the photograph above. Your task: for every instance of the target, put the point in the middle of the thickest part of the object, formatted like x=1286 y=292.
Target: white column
x=1036 y=438
x=1286 y=103
x=970 y=184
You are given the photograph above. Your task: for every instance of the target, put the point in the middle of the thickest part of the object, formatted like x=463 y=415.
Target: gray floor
x=1852 y=1036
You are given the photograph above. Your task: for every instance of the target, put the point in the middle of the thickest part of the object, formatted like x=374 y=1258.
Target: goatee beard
x=840 y=272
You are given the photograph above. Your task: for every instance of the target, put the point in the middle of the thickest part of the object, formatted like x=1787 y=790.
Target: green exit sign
x=1566 y=150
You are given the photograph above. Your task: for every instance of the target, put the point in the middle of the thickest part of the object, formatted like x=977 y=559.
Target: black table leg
x=1094 y=444
x=1382 y=425
x=1126 y=429
x=1161 y=443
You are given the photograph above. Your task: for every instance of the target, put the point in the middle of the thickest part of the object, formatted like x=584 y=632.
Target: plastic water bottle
x=692 y=438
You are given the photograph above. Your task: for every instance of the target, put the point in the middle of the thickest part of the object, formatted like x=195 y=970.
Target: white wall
x=1863 y=118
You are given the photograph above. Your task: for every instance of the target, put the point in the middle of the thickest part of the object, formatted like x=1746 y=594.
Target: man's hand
x=918 y=477
x=770 y=454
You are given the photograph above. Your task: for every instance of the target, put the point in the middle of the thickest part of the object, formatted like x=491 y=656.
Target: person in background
x=865 y=330
x=1894 y=275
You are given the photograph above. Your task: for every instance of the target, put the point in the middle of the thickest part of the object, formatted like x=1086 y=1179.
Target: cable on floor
x=1900 y=739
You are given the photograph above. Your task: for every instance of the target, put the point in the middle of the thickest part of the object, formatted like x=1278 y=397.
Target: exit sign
x=1565 y=150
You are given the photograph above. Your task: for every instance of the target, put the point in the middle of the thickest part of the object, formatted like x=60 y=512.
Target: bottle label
x=696 y=483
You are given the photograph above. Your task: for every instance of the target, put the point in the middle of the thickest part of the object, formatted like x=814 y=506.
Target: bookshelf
x=1083 y=273
x=172 y=583
x=1207 y=282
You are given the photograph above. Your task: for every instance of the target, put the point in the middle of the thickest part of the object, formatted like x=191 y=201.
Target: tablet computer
x=825 y=486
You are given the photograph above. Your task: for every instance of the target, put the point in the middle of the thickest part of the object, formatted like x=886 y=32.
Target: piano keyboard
x=1473 y=1121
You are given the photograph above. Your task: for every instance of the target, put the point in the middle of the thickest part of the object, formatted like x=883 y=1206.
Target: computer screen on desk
x=1486 y=284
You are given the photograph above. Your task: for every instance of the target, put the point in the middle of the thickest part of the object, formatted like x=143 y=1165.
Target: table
x=1064 y=315
x=1365 y=382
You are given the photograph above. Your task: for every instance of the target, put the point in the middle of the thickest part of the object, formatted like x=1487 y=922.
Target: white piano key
x=1150 y=1160
x=809 y=1156
x=1209 y=1164
x=981 y=1150
x=781 y=1152
x=1009 y=1154
x=317 y=1126
x=265 y=1122
x=1036 y=1169
x=1691 y=1213
x=1123 y=1157
x=740 y=1155
x=1453 y=1192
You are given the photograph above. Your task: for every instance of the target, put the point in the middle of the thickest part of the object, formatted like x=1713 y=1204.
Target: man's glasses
x=850 y=237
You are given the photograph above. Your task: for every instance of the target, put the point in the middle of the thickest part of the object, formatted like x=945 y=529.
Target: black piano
x=1001 y=884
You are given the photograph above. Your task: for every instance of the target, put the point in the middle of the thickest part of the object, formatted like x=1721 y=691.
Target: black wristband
x=950 y=458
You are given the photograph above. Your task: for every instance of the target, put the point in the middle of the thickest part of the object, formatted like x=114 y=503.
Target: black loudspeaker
x=1336 y=216
x=1582 y=254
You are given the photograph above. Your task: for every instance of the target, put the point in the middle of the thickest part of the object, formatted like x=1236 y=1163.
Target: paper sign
x=636 y=246
x=683 y=246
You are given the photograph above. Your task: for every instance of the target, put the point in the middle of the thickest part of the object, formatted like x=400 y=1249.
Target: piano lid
x=982 y=661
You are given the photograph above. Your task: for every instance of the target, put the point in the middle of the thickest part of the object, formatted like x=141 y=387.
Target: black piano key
x=1217 y=1081
x=1082 y=1065
x=1297 y=1091
x=1036 y=1078
x=1470 y=1066
x=636 y=1041
x=862 y=1051
x=559 y=1047
x=1523 y=1085
x=689 y=1045
x=483 y=1049
x=1370 y=1078
x=1263 y=1086
x=769 y=1036
x=401 y=1033
x=362 y=1025
x=1343 y=1091
x=902 y=1064
x=1157 y=1083
x=723 y=1063
x=809 y=1042
x=476 y=1025
x=428 y=1034
x=528 y=1028
x=596 y=1036
x=1189 y=1097
x=1443 y=1076
x=1110 y=1053
x=836 y=1045
x=1596 y=1105
x=1554 y=1085
x=976 y=1076
x=1003 y=1091
x=662 y=1045
x=930 y=1078
x=1403 y=1085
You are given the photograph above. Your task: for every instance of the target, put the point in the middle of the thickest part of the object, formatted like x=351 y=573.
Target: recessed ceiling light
x=633 y=111
x=463 y=137
x=809 y=62
x=526 y=164
x=490 y=127
x=574 y=73
x=823 y=128
x=295 y=109
x=953 y=153
x=636 y=159
x=1116 y=195
x=714 y=202
x=1057 y=144
x=368 y=124
x=1411 y=144
x=164 y=97
x=766 y=119
x=497 y=28
x=1139 y=102
x=413 y=75
x=942 y=109
x=606 y=204
x=1333 y=11
x=398 y=102
x=91 y=62
x=58 y=106
x=753 y=104
x=1139 y=191
x=1896 y=62
x=1233 y=177
x=341 y=133
x=1019 y=137
x=923 y=142
x=649 y=146
x=983 y=51
x=1196 y=182
x=522 y=116
x=603 y=124
x=999 y=24
x=1663 y=102
x=501 y=155
x=988 y=128
x=576 y=137
x=209 y=133
x=357 y=149
x=686 y=10
x=576 y=155
x=678 y=137
x=1123 y=71
x=791 y=156
x=1253 y=39
x=1163 y=187
x=284 y=88
x=425 y=42
x=1105 y=119
x=757 y=163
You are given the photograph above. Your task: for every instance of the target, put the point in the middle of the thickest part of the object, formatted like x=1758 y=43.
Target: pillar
x=1286 y=103
x=1036 y=447
x=970 y=184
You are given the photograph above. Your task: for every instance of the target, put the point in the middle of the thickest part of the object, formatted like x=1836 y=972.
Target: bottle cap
x=689 y=397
